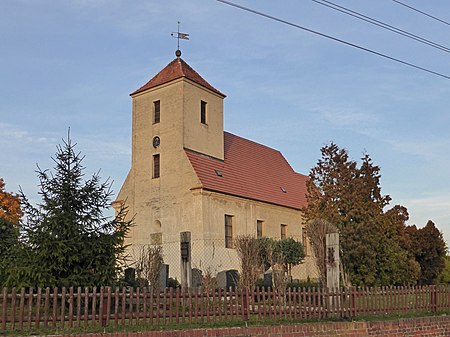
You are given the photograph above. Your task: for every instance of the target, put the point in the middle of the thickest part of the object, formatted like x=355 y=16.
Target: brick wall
x=410 y=327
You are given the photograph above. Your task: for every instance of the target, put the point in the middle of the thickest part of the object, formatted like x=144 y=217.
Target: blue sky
x=74 y=63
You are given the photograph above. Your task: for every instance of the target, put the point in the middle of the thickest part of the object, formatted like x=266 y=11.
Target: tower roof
x=176 y=69
x=251 y=170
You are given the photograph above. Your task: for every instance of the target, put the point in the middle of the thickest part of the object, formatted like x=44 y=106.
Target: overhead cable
x=333 y=38
x=422 y=12
x=381 y=24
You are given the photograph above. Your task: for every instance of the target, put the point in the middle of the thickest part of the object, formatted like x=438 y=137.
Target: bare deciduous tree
x=209 y=281
x=317 y=230
x=247 y=248
x=148 y=265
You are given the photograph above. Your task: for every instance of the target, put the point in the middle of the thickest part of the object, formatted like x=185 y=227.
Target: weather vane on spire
x=179 y=36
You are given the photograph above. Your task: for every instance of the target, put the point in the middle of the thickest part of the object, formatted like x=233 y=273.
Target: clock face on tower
x=156 y=141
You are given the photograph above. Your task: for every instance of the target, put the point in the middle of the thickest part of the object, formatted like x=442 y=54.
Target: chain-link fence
x=211 y=262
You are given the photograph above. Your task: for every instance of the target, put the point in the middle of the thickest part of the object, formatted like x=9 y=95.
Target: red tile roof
x=173 y=71
x=251 y=170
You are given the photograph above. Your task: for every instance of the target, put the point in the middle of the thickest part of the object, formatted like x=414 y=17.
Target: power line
x=421 y=12
x=333 y=38
x=381 y=24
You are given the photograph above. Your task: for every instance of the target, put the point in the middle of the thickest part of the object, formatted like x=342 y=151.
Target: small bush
x=173 y=283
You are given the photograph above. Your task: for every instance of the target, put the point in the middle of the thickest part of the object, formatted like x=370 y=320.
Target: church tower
x=176 y=110
x=179 y=105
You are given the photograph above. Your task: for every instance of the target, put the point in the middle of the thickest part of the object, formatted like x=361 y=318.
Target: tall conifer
x=72 y=242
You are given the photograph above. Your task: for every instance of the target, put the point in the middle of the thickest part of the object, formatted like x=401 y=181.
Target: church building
x=188 y=174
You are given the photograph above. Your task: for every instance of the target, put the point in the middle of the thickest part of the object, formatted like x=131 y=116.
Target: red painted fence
x=29 y=309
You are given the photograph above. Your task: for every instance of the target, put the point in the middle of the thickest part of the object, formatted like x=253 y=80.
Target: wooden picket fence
x=31 y=310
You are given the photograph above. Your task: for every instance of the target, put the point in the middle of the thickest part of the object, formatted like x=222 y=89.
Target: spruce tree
x=72 y=242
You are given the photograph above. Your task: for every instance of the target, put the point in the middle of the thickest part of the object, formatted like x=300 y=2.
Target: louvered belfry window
x=203 y=112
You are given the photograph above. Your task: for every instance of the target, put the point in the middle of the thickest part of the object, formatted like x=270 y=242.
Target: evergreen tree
x=71 y=242
x=430 y=250
x=350 y=198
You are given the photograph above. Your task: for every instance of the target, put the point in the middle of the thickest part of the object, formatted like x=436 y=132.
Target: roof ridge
x=267 y=147
x=255 y=142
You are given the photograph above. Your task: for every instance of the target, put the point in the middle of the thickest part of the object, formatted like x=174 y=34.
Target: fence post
x=103 y=307
x=245 y=304
x=433 y=298
x=13 y=308
x=30 y=308
x=70 y=306
x=353 y=302
x=5 y=299
x=38 y=308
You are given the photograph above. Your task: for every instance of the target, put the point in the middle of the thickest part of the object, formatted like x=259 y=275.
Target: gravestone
x=267 y=281
x=164 y=277
x=278 y=274
x=227 y=279
x=197 y=278
x=130 y=275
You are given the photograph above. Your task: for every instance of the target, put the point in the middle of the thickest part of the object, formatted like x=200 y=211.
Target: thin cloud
x=429 y=150
x=433 y=207
x=345 y=117
x=434 y=202
x=104 y=150
x=14 y=136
